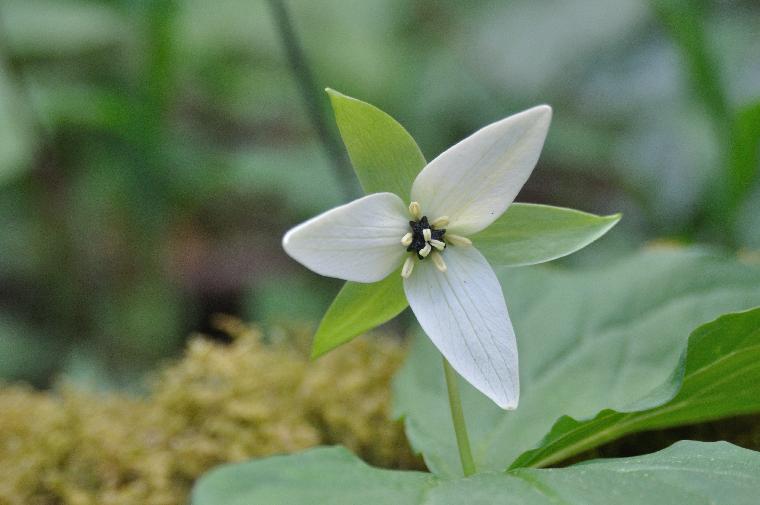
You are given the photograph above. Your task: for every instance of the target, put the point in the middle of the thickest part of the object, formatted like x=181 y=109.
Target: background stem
x=311 y=95
x=457 y=416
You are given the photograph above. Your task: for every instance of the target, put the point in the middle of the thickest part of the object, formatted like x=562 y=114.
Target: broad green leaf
x=687 y=472
x=384 y=155
x=323 y=475
x=714 y=379
x=589 y=340
x=359 y=308
x=527 y=234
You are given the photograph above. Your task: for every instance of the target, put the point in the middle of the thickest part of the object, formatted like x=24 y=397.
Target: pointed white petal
x=359 y=241
x=474 y=181
x=463 y=312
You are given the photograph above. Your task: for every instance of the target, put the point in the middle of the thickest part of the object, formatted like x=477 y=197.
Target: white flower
x=450 y=286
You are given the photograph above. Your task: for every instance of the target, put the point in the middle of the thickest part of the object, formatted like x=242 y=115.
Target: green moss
x=220 y=403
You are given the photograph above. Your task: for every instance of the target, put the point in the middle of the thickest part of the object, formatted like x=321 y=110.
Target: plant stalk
x=457 y=416
x=309 y=91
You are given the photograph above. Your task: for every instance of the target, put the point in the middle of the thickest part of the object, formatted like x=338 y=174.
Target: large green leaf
x=384 y=155
x=687 y=472
x=528 y=234
x=588 y=340
x=323 y=475
x=358 y=308
x=718 y=376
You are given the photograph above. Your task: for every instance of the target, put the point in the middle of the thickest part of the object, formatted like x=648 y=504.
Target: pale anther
x=427 y=234
x=406 y=270
x=438 y=244
x=441 y=222
x=425 y=250
x=407 y=239
x=438 y=261
x=415 y=210
x=457 y=239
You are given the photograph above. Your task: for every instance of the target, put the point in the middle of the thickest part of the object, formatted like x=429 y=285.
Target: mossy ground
x=220 y=403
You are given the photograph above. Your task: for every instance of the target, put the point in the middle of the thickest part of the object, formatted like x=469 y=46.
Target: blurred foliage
x=152 y=152
x=220 y=403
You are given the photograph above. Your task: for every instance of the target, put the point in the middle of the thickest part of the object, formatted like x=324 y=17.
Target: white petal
x=463 y=312
x=359 y=241
x=474 y=181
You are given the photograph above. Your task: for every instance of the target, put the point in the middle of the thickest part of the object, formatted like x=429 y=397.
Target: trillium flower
x=451 y=288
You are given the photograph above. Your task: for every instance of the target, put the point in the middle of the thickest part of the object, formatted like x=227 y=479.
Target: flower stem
x=457 y=416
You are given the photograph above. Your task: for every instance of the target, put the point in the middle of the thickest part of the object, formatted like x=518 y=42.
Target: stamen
x=441 y=222
x=438 y=244
x=425 y=250
x=406 y=240
x=438 y=261
x=406 y=270
x=427 y=234
x=457 y=239
x=415 y=210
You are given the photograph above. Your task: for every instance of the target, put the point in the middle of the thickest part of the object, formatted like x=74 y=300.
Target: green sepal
x=385 y=157
x=359 y=308
x=527 y=234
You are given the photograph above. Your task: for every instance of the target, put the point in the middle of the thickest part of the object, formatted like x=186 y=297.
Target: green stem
x=457 y=416
x=309 y=90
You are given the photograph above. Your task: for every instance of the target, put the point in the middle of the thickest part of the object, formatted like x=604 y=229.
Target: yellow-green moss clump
x=219 y=403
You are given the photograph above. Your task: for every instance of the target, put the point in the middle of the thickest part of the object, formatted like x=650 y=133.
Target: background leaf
x=587 y=342
x=527 y=234
x=17 y=136
x=717 y=377
x=385 y=157
x=687 y=472
x=47 y=27
x=358 y=308
x=744 y=156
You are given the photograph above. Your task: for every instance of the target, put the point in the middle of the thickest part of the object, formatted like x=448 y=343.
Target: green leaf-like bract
x=687 y=472
x=527 y=234
x=385 y=157
x=601 y=339
x=359 y=308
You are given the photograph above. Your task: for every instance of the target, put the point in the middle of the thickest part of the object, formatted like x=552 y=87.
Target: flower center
x=427 y=240
x=425 y=237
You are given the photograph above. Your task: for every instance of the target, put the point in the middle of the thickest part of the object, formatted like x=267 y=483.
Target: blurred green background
x=152 y=153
